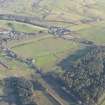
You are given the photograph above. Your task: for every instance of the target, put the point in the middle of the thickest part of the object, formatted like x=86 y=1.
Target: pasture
x=47 y=52
x=95 y=32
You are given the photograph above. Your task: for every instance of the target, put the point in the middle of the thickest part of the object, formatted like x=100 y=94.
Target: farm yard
x=95 y=33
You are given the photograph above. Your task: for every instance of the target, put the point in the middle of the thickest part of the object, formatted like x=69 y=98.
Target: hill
x=64 y=10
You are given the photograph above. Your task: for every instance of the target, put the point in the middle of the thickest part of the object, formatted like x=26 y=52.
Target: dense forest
x=21 y=89
x=85 y=77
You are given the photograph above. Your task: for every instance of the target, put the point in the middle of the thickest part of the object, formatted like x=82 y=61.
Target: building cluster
x=59 y=31
x=9 y=53
x=9 y=35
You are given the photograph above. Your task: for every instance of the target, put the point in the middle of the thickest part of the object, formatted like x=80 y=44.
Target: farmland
x=45 y=51
x=52 y=51
x=95 y=33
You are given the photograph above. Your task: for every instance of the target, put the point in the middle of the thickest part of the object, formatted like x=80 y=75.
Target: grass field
x=47 y=51
x=94 y=32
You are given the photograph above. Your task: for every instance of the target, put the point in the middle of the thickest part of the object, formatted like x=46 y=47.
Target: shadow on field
x=57 y=85
x=66 y=63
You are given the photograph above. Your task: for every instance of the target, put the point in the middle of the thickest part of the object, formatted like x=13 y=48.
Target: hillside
x=65 y=10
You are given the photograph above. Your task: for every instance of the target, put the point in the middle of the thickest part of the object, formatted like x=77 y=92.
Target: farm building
x=59 y=31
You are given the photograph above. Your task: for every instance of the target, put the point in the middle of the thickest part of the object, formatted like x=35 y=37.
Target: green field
x=47 y=51
x=94 y=33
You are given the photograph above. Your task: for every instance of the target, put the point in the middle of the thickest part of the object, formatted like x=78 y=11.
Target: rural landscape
x=52 y=52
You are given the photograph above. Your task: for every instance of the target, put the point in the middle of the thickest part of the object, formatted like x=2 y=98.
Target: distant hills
x=64 y=10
